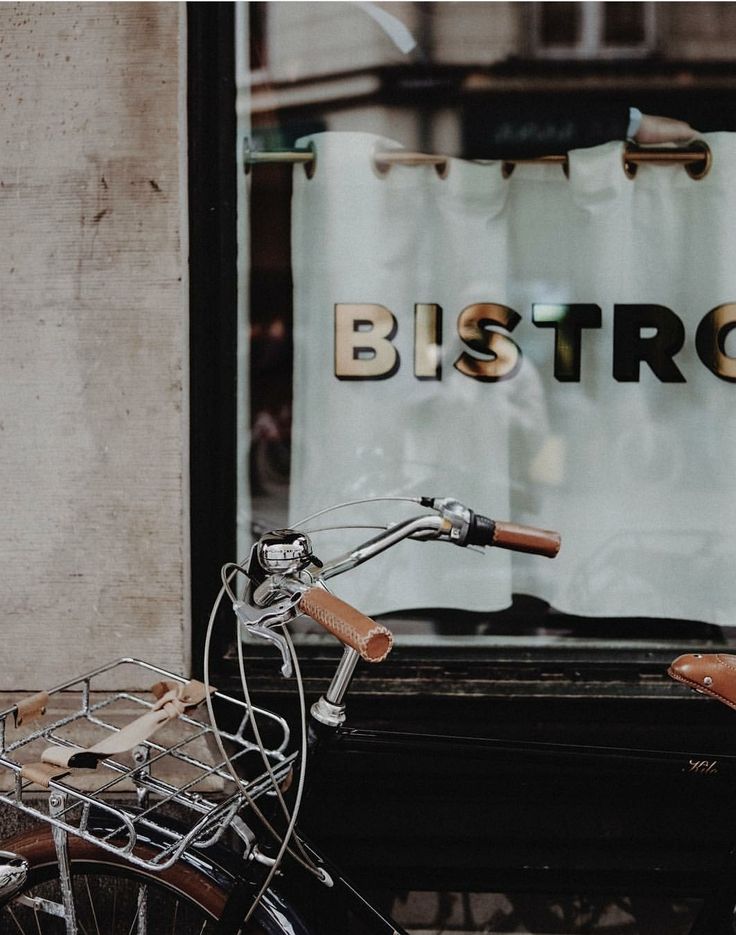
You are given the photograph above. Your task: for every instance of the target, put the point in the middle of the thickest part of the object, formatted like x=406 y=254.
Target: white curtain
x=637 y=474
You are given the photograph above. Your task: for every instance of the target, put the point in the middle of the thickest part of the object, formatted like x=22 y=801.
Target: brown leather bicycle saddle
x=711 y=674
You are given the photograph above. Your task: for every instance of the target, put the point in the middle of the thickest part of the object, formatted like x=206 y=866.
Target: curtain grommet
x=310 y=167
x=698 y=170
x=629 y=166
x=696 y=158
x=508 y=165
x=384 y=161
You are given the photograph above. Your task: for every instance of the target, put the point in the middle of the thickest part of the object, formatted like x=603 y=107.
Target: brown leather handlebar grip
x=526 y=539
x=370 y=639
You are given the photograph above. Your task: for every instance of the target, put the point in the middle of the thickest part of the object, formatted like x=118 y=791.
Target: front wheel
x=112 y=897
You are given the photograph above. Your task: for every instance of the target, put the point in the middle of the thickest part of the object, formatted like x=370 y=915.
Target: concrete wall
x=93 y=346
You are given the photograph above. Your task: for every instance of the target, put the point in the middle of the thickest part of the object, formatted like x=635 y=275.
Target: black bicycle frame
x=343 y=900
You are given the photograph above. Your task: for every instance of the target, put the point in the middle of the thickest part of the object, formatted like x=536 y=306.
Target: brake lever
x=259 y=621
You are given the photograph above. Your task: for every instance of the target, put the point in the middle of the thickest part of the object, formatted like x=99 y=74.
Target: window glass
x=624 y=23
x=593 y=30
x=429 y=308
x=560 y=24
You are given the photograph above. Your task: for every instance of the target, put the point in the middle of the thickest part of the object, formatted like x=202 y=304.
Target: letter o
x=710 y=341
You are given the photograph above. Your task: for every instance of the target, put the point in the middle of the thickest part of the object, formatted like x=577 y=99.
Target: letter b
x=363 y=348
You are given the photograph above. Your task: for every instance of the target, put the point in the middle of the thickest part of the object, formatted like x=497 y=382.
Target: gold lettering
x=363 y=348
x=474 y=326
x=710 y=341
x=703 y=767
x=427 y=341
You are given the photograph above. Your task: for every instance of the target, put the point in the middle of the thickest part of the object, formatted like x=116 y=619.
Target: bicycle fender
x=226 y=870
x=274 y=914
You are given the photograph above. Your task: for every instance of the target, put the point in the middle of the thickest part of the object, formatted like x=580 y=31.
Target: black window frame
x=212 y=192
x=213 y=248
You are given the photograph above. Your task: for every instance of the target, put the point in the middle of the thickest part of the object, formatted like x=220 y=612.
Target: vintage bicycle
x=176 y=810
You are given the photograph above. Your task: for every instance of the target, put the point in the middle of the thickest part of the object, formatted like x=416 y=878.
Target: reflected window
x=591 y=30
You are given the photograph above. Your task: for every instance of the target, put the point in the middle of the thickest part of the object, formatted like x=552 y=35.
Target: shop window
x=276 y=260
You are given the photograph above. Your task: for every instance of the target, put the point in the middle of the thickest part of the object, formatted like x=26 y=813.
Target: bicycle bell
x=13 y=874
x=281 y=552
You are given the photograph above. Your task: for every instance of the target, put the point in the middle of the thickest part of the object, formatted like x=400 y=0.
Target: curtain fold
x=574 y=392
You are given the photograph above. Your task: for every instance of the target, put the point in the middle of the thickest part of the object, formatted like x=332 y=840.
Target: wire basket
x=179 y=770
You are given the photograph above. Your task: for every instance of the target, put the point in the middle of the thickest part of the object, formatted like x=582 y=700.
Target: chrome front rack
x=178 y=773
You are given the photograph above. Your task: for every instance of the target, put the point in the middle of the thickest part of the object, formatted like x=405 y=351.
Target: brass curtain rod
x=696 y=158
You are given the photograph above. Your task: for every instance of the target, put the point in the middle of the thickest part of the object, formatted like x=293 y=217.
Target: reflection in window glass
x=560 y=23
x=463 y=913
x=624 y=23
x=257 y=13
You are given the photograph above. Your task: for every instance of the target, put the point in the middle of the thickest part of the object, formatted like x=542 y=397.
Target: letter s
x=475 y=328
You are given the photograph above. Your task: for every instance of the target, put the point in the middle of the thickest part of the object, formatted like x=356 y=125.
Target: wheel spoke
x=20 y=927
x=92 y=905
x=141 y=912
x=135 y=919
x=82 y=928
x=110 y=900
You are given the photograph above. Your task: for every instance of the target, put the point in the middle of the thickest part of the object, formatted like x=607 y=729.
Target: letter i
x=427 y=341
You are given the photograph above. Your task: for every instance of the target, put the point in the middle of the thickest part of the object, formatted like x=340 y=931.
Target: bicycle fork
x=67 y=909
x=57 y=805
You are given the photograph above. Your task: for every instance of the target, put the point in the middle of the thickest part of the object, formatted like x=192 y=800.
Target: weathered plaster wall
x=93 y=339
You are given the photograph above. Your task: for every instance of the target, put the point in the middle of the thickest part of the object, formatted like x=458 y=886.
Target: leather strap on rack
x=30 y=709
x=42 y=773
x=172 y=699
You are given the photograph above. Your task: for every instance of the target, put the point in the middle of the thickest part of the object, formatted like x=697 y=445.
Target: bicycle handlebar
x=455 y=523
x=484 y=531
x=371 y=640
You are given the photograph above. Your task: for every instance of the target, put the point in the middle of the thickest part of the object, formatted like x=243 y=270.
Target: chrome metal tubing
x=384 y=540
x=342 y=677
x=57 y=802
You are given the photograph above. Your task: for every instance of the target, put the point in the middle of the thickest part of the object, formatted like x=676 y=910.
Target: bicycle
x=183 y=858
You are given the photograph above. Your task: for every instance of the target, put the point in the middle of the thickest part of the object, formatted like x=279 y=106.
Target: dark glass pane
x=623 y=23
x=257 y=34
x=560 y=23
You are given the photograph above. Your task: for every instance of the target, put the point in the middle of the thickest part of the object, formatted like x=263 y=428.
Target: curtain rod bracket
x=256 y=157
